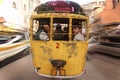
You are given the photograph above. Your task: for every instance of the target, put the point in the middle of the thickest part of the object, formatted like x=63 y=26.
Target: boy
x=77 y=33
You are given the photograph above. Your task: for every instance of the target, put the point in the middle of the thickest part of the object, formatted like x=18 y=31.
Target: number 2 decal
x=57 y=45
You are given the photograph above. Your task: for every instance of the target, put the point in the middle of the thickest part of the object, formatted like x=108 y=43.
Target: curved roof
x=60 y=6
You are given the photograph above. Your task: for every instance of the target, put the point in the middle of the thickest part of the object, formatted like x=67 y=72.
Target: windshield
x=60 y=30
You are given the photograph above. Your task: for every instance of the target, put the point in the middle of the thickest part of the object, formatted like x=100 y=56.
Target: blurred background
x=103 y=61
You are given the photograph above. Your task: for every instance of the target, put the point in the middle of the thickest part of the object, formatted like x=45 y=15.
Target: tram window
x=60 y=29
x=78 y=30
x=41 y=29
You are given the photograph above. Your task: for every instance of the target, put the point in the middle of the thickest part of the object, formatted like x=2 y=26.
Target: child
x=77 y=33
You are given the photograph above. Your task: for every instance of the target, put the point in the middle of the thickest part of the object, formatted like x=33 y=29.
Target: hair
x=58 y=27
x=66 y=29
x=44 y=23
x=77 y=26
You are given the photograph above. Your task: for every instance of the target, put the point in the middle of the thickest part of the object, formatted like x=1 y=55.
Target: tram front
x=59 y=42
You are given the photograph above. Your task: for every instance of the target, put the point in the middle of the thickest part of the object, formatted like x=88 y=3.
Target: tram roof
x=60 y=7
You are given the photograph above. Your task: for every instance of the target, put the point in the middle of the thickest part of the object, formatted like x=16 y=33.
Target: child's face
x=76 y=30
x=46 y=27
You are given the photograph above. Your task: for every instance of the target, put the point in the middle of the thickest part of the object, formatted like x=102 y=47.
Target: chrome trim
x=62 y=77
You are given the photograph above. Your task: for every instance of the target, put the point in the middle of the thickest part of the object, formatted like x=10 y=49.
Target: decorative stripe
x=6 y=48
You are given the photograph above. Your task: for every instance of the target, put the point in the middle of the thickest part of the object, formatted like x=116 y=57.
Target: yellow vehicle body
x=73 y=52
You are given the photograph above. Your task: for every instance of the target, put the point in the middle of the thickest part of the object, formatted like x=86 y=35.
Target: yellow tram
x=56 y=54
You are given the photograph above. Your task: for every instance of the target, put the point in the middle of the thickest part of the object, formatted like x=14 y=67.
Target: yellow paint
x=44 y=52
x=10 y=47
x=7 y=29
x=73 y=52
x=59 y=15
